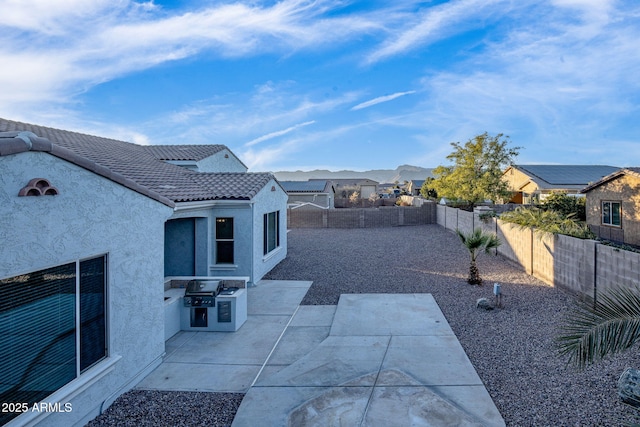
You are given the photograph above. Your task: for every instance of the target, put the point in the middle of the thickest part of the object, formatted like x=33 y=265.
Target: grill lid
x=202 y=287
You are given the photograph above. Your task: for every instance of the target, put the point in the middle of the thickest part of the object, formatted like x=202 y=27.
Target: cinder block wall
x=616 y=267
x=362 y=217
x=441 y=215
x=517 y=244
x=584 y=267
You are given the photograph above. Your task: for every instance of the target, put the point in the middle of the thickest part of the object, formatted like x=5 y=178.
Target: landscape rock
x=629 y=387
x=484 y=304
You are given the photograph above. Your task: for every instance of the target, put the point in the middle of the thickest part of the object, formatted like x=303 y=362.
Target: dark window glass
x=38 y=330
x=606 y=213
x=271 y=235
x=615 y=213
x=224 y=228
x=224 y=241
x=611 y=213
x=225 y=253
x=93 y=346
x=37 y=335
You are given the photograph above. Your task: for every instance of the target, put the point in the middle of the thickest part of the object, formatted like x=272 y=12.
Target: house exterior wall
x=367 y=190
x=243 y=239
x=90 y=216
x=321 y=199
x=249 y=260
x=219 y=163
x=516 y=179
x=626 y=190
x=205 y=239
x=267 y=201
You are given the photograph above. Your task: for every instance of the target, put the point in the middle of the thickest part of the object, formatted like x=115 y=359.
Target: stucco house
x=310 y=194
x=414 y=186
x=91 y=227
x=532 y=183
x=613 y=206
x=344 y=187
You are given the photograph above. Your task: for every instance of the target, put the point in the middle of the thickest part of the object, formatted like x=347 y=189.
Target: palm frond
x=612 y=325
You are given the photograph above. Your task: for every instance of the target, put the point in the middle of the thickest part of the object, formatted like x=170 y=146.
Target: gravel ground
x=511 y=348
x=144 y=408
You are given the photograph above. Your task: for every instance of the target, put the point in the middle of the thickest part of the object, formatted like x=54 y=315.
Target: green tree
x=427 y=191
x=477 y=241
x=476 y=172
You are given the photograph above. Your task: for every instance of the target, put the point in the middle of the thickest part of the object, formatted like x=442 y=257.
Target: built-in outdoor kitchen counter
x=204 y=304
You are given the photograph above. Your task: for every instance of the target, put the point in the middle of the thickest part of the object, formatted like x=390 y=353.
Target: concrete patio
x=374 y=359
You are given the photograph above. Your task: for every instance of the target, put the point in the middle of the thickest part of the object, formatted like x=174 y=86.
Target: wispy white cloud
x=563 y=77
x=381 y=99
x=437 y=23
x=60 y=49
x=277 y=133
x=270 y=110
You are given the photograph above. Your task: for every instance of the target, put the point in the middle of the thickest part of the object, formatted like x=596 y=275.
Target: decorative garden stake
x=497 y=291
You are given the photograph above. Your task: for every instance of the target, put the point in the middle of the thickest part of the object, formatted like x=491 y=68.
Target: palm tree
x=607 y=326
x=475 y=242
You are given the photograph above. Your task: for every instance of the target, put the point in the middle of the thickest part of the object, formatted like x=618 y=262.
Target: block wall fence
x=584 y=267
x=391 y=216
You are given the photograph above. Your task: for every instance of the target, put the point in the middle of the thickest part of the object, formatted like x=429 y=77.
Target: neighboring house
x=532 y=183
x=613 y=206
x=344 y=187
x=414 y=186
x=90 y=229
x=310 y=194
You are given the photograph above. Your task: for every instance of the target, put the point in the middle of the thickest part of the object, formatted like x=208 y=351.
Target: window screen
x=611 y=213
x=39 y=329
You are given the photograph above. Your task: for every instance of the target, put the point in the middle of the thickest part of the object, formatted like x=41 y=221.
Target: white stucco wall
x=269 y=201
x=91 y=216
x=219 y=163
x=249 y=260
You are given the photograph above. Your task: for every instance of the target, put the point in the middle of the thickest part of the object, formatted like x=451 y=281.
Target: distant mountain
x=399 y=174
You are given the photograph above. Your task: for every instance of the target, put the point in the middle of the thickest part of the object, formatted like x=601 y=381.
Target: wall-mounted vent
x=38 y=187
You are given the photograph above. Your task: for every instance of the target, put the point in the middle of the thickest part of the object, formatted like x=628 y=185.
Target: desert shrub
x=567 y=206
x=550 y=221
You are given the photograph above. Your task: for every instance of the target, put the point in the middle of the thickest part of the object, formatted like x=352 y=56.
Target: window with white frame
x=224 y=241
x=52 y=329
x=611 y=213
x=271 y=231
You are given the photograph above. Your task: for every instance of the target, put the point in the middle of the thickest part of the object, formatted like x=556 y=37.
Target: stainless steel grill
x=201 y=293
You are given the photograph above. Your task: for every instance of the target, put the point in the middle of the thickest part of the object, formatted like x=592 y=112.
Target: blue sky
x=332 y=84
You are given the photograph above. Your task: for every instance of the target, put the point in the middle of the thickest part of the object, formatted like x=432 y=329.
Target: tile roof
x=635 y=171
x=305 y=186
x=183 y=152
x=567 y=174
x=136 y=164
x=348 y=181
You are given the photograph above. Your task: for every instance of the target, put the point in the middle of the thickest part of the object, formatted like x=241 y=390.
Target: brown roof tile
x=141 y=165
x=184 y=152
